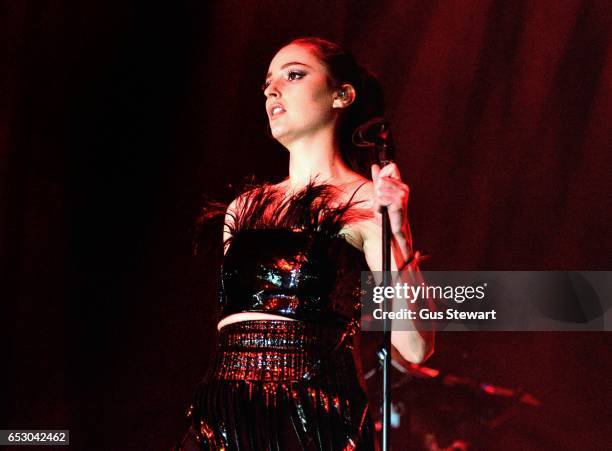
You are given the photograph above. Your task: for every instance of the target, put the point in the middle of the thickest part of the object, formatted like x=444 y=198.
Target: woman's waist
x=327 y=316
x=250 y=316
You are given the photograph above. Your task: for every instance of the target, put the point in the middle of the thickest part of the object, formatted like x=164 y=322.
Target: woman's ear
x=345 y=95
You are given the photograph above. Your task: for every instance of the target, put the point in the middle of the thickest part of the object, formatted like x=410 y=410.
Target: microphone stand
x=383 y=151
x=375 y=133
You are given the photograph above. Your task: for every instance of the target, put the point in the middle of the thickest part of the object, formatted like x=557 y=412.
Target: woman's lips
x=276 y=110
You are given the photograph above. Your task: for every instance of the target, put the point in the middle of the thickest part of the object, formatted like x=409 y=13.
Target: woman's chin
x=275 y=132
x=281 y=135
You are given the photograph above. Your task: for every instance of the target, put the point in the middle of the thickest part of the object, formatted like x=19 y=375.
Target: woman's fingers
x=391 y=184
x=390 y=190
x=375 y=172
x=391 y=170
x=386 y=175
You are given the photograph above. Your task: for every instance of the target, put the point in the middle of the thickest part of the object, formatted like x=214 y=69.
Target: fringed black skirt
x=280 y=385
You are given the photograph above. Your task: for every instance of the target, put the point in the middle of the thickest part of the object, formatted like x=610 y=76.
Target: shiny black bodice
x=300 y=274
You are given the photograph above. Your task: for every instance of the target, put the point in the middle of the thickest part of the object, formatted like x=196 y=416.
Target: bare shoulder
x=363 y=220
x=228 y=225
x=363 y=191
x=234 y=206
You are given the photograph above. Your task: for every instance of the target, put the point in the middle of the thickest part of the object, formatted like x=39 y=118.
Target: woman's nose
x=272 y=90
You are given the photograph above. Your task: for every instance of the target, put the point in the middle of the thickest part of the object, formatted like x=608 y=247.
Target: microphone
x=373 y=132
x=376 y=133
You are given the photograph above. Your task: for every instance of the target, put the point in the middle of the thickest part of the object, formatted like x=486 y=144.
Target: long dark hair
x=369 y=101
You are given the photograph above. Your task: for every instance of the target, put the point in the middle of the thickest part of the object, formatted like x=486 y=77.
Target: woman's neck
x=316 y=159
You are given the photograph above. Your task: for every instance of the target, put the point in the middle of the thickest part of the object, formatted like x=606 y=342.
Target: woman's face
x=299 y=98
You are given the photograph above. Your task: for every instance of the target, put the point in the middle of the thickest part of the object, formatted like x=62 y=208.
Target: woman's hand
x=391 y=192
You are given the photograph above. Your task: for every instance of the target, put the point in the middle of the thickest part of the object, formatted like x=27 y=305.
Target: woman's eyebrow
x=269 y=74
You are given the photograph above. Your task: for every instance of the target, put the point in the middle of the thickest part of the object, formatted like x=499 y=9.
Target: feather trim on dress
x=265 y=206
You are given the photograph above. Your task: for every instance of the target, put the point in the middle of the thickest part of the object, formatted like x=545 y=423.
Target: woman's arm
x=387 y=189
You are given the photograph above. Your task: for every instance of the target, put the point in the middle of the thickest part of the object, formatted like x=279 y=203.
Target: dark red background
x=115 y=119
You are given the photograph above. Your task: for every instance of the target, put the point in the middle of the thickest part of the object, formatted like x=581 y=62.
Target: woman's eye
x=295 y=75
x=291 y=76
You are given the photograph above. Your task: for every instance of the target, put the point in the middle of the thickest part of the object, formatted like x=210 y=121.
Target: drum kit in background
x=436 y=411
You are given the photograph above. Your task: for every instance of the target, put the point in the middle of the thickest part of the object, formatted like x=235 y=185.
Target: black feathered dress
x=277 y=384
